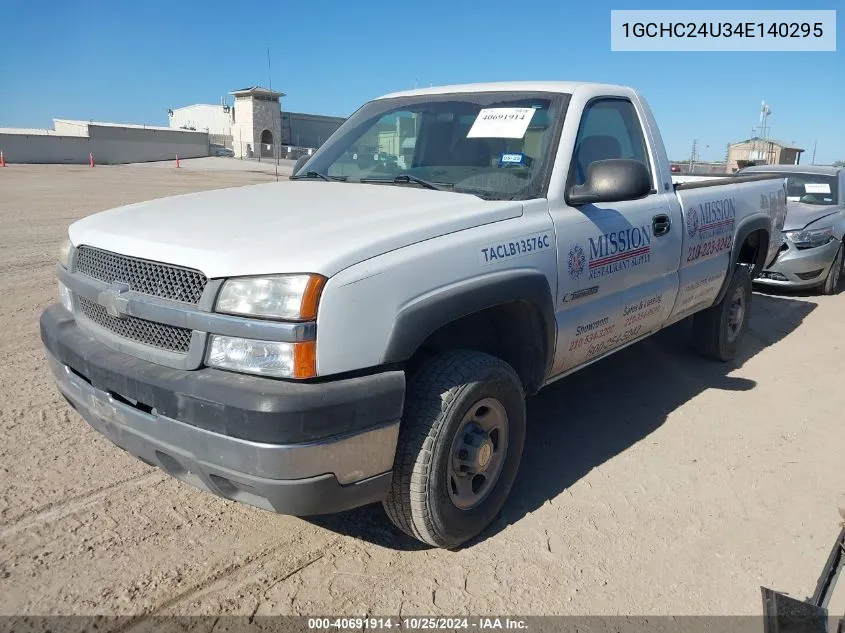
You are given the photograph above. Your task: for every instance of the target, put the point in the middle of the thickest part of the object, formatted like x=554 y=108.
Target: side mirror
x=299 y=163
x=612 y=180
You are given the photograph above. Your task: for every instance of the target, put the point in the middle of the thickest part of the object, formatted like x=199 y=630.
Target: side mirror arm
x=579 y=195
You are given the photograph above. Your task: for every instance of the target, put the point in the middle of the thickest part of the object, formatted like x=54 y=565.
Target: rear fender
x=746 y=228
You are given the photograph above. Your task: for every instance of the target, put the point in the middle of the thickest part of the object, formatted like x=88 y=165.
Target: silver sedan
x=812 y=252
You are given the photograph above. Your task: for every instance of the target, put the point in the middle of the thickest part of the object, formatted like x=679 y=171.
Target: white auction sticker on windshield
x=817 y=187
x=501 y=123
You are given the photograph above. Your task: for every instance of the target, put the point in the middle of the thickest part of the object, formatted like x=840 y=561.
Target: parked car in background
x=812 y=252
x=219 y=150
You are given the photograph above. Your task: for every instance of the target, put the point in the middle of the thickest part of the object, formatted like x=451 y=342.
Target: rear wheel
x=719 y=329
x=460 y=444
x=831 y=282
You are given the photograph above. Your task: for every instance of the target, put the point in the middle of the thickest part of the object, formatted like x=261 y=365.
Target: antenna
x=269 y=72
x=276 y=141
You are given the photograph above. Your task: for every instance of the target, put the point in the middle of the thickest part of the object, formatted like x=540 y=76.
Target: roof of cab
x=503 y=86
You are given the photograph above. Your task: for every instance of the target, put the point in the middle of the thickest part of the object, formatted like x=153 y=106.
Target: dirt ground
x=653 y=482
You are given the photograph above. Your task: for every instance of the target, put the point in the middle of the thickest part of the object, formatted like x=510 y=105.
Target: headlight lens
x=65 y=298
x=64 y=253
x=293 y=297
x=811 y=238
x=265 y=358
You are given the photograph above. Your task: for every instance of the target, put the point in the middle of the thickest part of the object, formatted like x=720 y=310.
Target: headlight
x=65 y=298
x=293 y=297
x=64 y=253
x=811 y=238
x=265 y=358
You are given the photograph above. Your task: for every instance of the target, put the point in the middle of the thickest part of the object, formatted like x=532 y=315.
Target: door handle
x=660 y=224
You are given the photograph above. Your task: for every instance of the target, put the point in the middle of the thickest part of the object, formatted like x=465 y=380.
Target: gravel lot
x=653 y=482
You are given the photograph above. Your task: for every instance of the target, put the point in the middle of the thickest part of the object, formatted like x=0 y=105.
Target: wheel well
x=514 y=332
x=753 y=250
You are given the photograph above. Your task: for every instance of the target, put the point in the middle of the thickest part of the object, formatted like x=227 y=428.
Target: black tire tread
x=707 y=324
x=827 y=286
x=432 y=392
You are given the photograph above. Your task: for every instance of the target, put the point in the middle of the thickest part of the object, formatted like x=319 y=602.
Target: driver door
x=617 y=262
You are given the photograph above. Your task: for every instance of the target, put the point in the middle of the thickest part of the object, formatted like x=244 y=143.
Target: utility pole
x=692 y=155
x=814 y=152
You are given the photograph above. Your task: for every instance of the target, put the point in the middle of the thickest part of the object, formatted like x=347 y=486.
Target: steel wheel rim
x=477 y=454
x=736 y=314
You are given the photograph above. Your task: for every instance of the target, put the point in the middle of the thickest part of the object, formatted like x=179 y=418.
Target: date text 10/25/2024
x=416 y=623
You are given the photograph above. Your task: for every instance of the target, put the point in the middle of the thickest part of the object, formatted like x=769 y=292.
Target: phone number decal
x=639 y=316
x=619 y=339
x=709 y=248
x=591 y=337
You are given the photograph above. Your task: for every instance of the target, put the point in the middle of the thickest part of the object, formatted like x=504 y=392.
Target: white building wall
x=204 y=118
x=45 y=148
x=70 y=128
x=109 y=144
x=243 y=135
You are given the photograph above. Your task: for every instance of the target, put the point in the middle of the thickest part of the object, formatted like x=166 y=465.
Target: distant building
x=759 y=151
x=255 y=125
x=308 y=130
x=256 y=122
x=203 y=117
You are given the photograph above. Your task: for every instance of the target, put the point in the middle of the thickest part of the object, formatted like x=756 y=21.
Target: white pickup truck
x=368 y=330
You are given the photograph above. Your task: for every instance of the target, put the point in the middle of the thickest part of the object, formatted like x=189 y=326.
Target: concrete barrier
x=110 y=145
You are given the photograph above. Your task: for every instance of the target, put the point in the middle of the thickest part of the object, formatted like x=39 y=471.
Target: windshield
x=495 y=145
x=809 y=188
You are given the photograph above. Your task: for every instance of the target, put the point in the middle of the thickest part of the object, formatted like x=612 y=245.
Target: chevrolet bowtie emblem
x=113 y=300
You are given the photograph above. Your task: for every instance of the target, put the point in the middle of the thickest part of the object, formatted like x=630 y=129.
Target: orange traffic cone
x=177 y=160
x=2 y=159
x=91 y=158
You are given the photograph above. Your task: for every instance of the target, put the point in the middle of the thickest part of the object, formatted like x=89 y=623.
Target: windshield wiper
x=402 y=179
x=317 y=174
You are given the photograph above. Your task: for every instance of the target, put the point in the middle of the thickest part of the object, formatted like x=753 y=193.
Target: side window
x=609 y=129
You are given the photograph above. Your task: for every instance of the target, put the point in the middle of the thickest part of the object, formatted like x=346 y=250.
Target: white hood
x=291 y=226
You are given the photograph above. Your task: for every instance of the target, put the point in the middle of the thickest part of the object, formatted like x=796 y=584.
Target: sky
x=129 y=62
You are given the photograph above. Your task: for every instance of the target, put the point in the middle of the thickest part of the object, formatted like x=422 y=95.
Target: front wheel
x=719 y=330
x=460 y=444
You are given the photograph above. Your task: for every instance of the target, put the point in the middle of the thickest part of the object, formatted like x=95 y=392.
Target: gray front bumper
x=792 y=263
x=294 y=479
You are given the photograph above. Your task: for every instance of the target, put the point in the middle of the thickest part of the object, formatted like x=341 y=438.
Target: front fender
x=420 y=318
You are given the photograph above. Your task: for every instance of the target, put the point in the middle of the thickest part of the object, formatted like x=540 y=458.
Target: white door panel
x=617 y=262
x=618 y=279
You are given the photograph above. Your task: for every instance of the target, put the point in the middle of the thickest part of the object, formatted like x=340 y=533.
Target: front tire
x=460 y=444
x=719 y=330
x=831 y=282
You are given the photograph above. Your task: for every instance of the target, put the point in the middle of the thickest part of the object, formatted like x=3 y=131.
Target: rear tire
x=719 y=330
x=460 y=444
x=834 y=275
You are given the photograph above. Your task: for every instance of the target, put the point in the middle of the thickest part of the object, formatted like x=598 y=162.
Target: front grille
x=141 y=275
x=160 y=335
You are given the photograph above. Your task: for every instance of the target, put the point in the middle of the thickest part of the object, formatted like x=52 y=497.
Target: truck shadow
x=586 y=419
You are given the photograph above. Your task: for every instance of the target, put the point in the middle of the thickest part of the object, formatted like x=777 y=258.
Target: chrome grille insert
x=144 y=276
x=160 y=335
